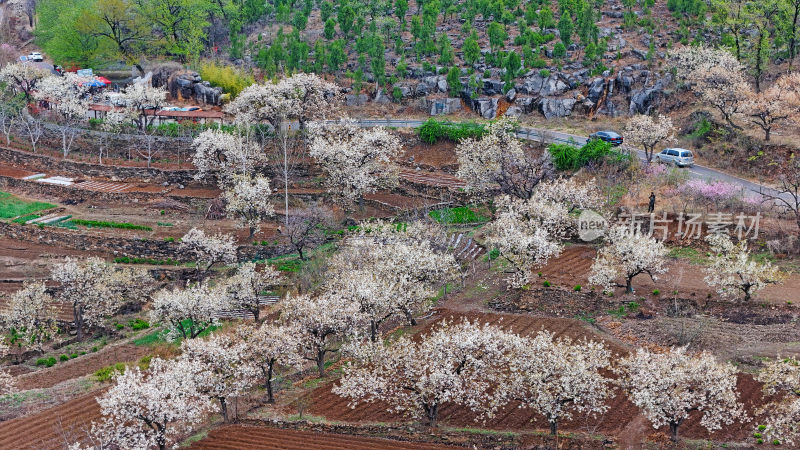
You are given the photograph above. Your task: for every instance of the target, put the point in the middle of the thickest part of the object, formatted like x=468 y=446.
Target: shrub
x=138 y=324
x=577 y=288
x=433 y=131
x=63 y=357
x=461 y=215
x=544 y=73
x=94 y=349
x=570 y=157
x=73 y=356
x=229 y=78
x=119 y=326
x=106 y=373
x=656 y=292
x=494 y=254
x=169 y=239
x=546 y=283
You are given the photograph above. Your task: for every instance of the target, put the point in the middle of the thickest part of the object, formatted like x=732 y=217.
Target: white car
x=678 y=156
x=36 y=57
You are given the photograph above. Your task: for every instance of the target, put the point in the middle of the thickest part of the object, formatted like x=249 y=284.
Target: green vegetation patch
x=150 y=261
x=26 y=218
x=11 y=206
x=433 y=131
x=458 y=215
x=104 y=224
x=571 y=157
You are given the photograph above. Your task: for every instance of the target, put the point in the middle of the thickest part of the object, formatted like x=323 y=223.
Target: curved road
x=533 y=134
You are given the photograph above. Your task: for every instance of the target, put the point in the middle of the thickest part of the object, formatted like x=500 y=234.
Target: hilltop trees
x=627 y=254
x=669 y=386
x=733 y=271
x=357 y=160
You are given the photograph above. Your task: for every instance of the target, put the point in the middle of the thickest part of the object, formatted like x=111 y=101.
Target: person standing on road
x=652 y=205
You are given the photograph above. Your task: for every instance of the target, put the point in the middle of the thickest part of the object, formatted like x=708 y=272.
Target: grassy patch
x=26 y=218
x=11 y=206
x=482 y=431
x=306 y=417
x=104 y=224
x=458 y=215
x=688 y=253
x=156 y=337
x=150 y=261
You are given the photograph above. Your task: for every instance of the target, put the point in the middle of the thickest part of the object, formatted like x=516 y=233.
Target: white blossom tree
x=95 y=289
x=301 y=96
x=223 y=372
x=727 y=92
x=774 y=105
x=626 y=255
x=208 y=249
x=557 y=377
x=23 y=77
x=463 y=363
x=113 y=123
x=323 y=321
x=271 y=345
x=31 y=313
x=732 y=269
x=189 y=311
x=356 y=160
x=151 y=408
x=527 y=234
x=143 y=103
x=247 y=199
x=11 y=107
x=669 y=386
x=33 y=126
x=688 y=59
x=68 y=97
x=305 y=228
x=499 y=158
x=244 y=288
x=781 y=376
x=224 y=155
x=649 y=132
x=388 y=271
x=7 y=383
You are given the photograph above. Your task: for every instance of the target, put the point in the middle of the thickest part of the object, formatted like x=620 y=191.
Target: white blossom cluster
x=247 y=199
x=732 y=270
x=782 y=377
x=356 y=160
x=626 y=255
x=209 y=249
x=649 y=132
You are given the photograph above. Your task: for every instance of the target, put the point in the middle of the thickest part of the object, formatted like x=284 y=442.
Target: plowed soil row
x=53 y=428
x=235 y=437
x=83 y=365
x=620 y=410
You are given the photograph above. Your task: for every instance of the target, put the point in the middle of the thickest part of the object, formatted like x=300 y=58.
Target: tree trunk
x=673 y=431
x=77 y=314
x=223 y=406
x=410 y=318
x=431 y=413
x=554 y=428
x=373 y=331
x=257 y=312
x=268 y=385
x=321 y=363
x=286 y=176
x=766 y=133
x=629 y=285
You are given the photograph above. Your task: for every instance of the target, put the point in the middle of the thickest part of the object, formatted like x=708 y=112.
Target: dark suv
x=611 y=137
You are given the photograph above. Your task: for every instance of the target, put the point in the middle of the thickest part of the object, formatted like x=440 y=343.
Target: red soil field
x=53 y=428
x=235 y=437
x=80 y=366
x=620 y=412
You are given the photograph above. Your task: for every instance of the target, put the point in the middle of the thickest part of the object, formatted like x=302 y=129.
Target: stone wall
x=39 y=162
x=122 y=246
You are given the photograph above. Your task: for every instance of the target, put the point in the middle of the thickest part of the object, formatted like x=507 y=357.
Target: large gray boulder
x=526 y=104
x=645 y=99
x=554 y=107
x=421 y=90
x=596 y=89
x=443 y=105
x=550 y=86
x=381 y=98
x=492 y=87
x=356 y=99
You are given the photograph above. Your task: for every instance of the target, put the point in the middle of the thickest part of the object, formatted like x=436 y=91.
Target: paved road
x=697 y=171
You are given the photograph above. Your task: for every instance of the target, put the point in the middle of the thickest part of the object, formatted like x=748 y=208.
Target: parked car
x=678 y=156
x=36 y=57
x=611 y=137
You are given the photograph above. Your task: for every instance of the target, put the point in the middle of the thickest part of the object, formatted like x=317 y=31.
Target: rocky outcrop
x=18 y=17
x=484 y=106
x=645 y=99
x=186 y=85
x=356 y=99
x=553 y=107
x=443 y=106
